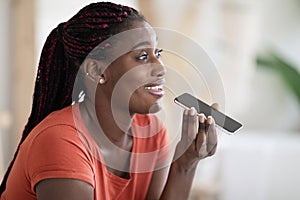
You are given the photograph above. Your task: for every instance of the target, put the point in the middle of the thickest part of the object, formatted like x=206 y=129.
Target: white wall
x=272 y=106
x=5 y=77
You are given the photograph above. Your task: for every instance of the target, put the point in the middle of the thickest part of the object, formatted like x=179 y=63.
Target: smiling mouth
x=156 y=90
x=158 y=87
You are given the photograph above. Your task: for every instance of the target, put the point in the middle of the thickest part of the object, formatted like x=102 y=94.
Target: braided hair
x=64 y=50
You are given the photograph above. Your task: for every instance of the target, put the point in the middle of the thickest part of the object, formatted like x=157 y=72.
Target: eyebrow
x=144 y=43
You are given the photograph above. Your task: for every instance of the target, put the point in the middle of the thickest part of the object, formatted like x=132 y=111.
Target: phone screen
x=187 y=101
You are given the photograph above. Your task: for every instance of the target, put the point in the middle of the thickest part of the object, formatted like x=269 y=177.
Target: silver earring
x=87 y=74
x=102 y=81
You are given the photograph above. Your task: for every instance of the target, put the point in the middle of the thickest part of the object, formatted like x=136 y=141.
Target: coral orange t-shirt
x=60 y=148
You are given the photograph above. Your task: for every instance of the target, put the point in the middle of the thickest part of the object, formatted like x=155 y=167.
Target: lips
x=155 y=88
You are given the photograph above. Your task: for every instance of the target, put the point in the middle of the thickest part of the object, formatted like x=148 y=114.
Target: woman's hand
x=198 y=140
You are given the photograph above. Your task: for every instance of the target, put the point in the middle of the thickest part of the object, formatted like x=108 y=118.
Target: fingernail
x=201 y=118
x=193 y=111
x=209 y=120
x=185 y=112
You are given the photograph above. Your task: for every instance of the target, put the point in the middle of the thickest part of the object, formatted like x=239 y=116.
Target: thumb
x=215 y=106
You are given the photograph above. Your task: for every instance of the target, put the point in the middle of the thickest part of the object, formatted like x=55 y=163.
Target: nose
x=158 y=68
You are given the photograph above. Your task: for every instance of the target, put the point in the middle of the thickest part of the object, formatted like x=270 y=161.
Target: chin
x=155 y=108
x=145 y=105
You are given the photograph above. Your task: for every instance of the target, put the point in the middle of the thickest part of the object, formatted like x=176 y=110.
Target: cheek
x=135 y=80
x=128 y=79
x=129 y=90
x=129 y=73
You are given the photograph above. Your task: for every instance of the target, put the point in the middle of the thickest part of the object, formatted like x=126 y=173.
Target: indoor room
x=244 y=55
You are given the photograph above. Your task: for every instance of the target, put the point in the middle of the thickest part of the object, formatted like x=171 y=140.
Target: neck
x=115 y=123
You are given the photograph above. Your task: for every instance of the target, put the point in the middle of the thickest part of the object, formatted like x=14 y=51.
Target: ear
x=94 y=69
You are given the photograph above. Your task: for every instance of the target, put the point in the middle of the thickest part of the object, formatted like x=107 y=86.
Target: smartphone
x=230 y=125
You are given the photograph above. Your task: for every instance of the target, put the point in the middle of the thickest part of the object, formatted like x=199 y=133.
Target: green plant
x=284 y=68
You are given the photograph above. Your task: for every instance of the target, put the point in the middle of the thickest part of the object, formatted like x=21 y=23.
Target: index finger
x=212 y=139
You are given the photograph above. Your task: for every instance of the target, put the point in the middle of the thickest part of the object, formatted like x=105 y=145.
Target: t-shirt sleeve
x=58 y=152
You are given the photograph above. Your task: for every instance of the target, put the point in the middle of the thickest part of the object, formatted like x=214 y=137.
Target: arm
x=198 y=140
x=178 y=182
x=157 y=184
x=60 y=189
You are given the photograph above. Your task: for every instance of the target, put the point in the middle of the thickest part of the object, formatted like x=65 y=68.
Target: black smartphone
x=187 y=100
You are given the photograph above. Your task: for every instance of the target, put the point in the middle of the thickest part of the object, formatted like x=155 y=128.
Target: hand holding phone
x=227 y=123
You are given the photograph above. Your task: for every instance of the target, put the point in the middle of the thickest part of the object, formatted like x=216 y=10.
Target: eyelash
x=159 y=51
x=144 y=54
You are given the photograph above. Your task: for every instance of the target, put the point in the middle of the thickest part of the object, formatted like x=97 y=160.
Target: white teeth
x=159 y=87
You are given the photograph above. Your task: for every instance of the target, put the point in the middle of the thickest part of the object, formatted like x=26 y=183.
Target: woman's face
x=135 y=79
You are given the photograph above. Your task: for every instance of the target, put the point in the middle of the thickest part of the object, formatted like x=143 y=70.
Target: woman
x=96 y=147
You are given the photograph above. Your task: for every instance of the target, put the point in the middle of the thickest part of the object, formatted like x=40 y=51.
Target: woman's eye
x=158 y=53
x=143 y=56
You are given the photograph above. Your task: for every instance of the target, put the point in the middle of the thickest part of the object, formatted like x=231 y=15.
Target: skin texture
x=143 y=66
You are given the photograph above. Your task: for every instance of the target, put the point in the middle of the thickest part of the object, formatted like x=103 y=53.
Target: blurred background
x=255 y=46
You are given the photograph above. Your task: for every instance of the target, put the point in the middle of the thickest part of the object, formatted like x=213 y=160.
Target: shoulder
x=57 y=126
x=60 y=117
x=56 y=149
